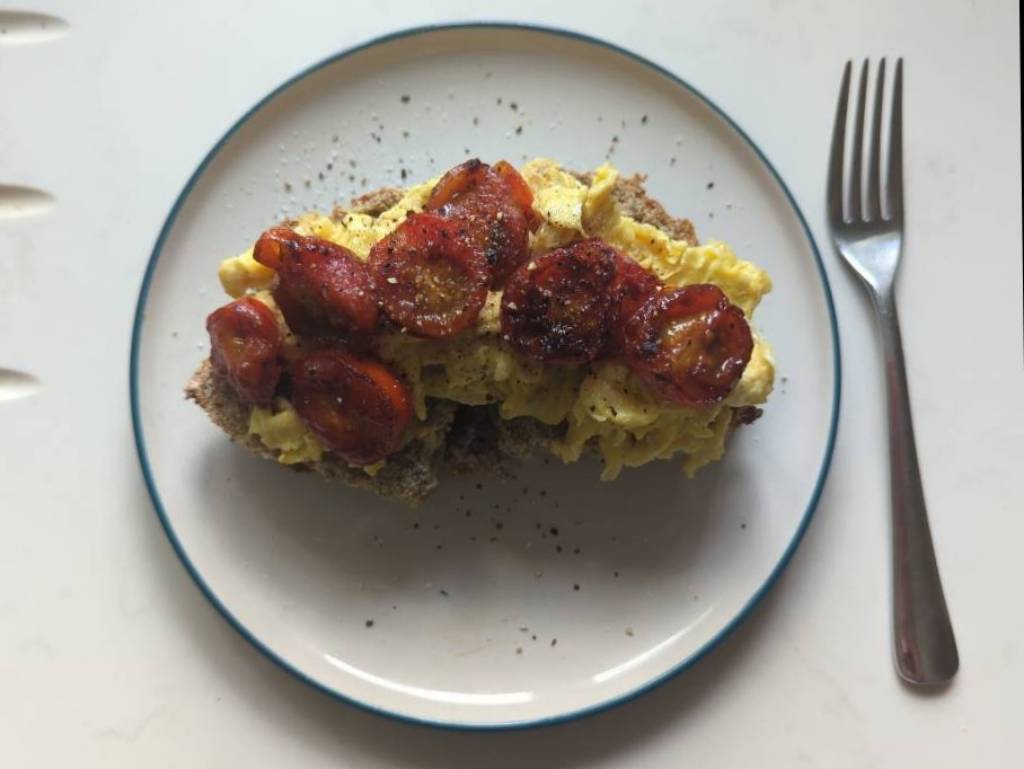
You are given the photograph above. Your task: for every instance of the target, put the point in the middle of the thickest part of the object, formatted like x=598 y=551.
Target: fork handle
x=926 y=650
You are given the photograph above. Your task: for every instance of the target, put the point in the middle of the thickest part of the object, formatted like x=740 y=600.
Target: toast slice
x=468 y=438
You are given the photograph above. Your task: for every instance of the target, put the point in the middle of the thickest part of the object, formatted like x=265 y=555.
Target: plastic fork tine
x=895 y=175
x=873 y=211
x=835 y=165
x=856 y=164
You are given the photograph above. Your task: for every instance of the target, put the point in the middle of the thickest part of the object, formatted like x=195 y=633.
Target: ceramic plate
x=498 y=602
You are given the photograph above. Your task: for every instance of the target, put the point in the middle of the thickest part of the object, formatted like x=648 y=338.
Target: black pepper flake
x=320 y=175
x=499 y=100
x=369 y=623
x=615 y=574
x=334 y=138
x=615 y=140
x=287 y=187
x=743 y=525
x=576 y=587
x=554 y=531
x=405 y=98
x=576 y=551
x=643 y=120
x=554 y=641
x=499 y=525
x=513 y=106
x=519 y=129
x=519 y=650
x=438 y=547
x=558 y=548
x=404 y=174
x=465 y=150
x=306 y=183
x=711 y=185
x=533 y=638
x=672 y=160
x=479 y=486
x=444 y=592
x=476 y=120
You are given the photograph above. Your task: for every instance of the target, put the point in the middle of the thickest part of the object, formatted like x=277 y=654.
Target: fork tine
x=895 y=176
x=835 y=164
x=855 y=185
x=873 y=210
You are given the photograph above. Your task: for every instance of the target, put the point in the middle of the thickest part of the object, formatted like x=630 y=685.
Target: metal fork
x=869 y=235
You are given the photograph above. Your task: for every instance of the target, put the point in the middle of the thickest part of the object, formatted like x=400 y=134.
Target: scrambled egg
x=603 y=405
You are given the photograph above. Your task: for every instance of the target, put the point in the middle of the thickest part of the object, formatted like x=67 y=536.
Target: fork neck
x=884 y=299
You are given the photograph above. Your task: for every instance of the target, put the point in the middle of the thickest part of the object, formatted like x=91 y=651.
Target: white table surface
x=109 y=655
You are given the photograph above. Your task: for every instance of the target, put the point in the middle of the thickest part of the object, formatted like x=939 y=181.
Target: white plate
x=468 y=594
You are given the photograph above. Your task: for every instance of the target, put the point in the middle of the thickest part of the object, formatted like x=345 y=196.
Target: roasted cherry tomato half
x=431 y=282
x=495 y=208
x=557 y=308
x=689 y=344
x=630 y=289
x=245 y=347
x=323 y=288
x=356 y=406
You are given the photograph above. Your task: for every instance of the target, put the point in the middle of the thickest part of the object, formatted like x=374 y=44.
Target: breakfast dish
x=421 y=615
x=484 y=316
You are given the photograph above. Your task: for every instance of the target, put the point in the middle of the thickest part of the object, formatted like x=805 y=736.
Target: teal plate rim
x=204 y=587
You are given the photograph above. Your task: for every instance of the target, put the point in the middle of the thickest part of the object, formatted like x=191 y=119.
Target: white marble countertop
x=110 y=656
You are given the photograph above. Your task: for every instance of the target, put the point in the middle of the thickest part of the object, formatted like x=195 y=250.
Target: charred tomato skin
x=323 y=289
x=494 y=205
x=557 y=308
x=690 y=345
x=431 y=282
x=245 y=348
x=356 y=406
